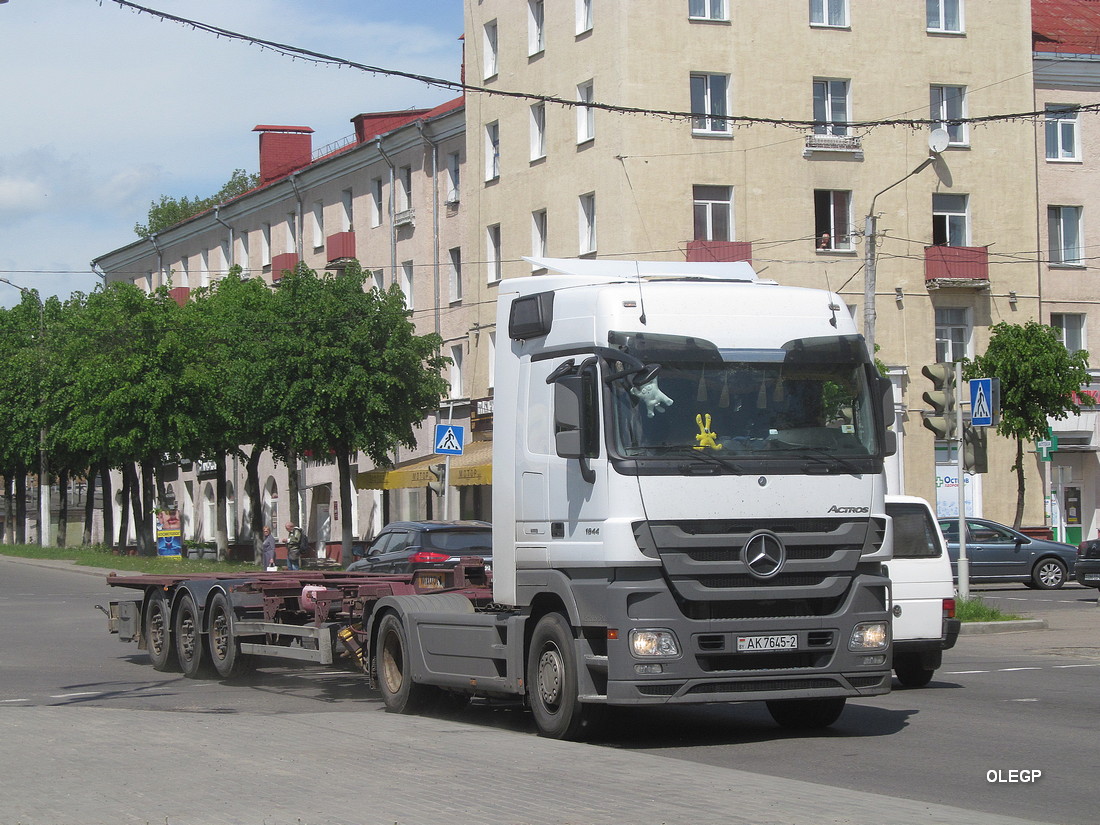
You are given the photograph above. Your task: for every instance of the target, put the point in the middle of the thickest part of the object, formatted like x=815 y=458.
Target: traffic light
x=439 y=472
x=945 y=409
x=974 y=450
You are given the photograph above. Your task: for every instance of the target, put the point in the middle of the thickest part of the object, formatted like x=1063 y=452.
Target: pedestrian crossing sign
x=449 y=439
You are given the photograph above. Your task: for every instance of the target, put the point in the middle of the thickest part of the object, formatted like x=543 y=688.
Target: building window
x=536 y=31
x=377 y=278
x=952 y=333
x=584 y=16
x=950 y=220
x=1064 y=228
x=204 y=268
x=348 y=217
x=492 y=250
x=538 y=234
x=455 y=254
x=587 y=223
x=833 y=219
x=317 y=224
x=829 y=13
x=406 y=276
x=586 y=115
x=945 y=16
x=1071 y=329
x=492 y=151
x=713 y=213
x=948 y=103
x=490 y=67
x=456 y=371
x=710 y=104
x=376 y=211
x=242 y=251
x=404 y=188
x=538 y=131
x=453 y=177
x=1061 y=128
x=707 y=10
x=831 y=107
x=290 y=233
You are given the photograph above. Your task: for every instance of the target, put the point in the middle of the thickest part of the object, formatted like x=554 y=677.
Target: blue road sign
x=984 y=402
x=449 y=439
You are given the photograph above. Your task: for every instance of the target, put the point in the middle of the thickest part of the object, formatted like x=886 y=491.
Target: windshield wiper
x=706 y=460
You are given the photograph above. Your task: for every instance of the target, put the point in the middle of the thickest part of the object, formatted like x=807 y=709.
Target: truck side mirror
x=570 y=433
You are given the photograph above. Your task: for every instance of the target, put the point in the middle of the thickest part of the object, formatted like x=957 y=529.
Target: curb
x=978 y=628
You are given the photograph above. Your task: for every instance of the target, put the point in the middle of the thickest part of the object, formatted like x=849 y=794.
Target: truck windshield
x=810 y=398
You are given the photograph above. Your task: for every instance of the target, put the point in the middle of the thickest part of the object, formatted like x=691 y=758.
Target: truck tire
x=225 y=650
x=190 y=643
x=400 y=693
x=1049 y=573
x=806 y=714
x=158 y=633
x=552 y=682
x=911 y=671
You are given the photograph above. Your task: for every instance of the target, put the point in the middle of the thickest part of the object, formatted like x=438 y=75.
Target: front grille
x=762 y=661
x=658 y=690
x=751 y=685
x=782 y=580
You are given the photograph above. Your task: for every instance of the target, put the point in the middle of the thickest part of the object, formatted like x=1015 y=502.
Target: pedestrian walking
x=293 y=547
x=267 y=550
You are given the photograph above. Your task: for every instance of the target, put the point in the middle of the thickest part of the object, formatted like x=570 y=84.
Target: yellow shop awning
x=474 y=466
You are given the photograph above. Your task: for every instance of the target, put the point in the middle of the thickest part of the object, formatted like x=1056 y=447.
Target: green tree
x=169 y=211
x=1039 y=380
x=354 y=375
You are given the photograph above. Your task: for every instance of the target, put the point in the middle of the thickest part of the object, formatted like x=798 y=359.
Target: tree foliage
x=169 y=211
x=1039 y=379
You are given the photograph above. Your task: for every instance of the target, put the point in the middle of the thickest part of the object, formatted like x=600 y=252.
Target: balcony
x=699 y=251
x=406 y=217
x=340 y=247
x=846 y=144
x=956 y=267
x=179 y=294
x=283 y=263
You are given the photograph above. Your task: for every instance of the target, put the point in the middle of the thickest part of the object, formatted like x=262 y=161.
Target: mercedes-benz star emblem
x=764 y=555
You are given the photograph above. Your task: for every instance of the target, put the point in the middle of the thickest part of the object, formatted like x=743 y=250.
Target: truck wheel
x=911 y=672
x=190 y=645
x=225 y=650
x=158 y=633
x=400 y=693
x=806 y=714
x=1049 y=574
x=552 y=682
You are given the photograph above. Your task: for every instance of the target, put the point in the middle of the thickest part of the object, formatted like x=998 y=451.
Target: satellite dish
x=938 y=140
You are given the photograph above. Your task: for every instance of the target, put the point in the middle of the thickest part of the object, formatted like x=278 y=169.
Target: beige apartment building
x=1067 y=74
x=746 y=175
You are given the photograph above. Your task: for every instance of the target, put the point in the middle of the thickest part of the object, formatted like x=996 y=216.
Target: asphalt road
x=1001 y=703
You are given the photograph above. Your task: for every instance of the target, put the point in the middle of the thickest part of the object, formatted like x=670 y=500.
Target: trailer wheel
x=190 y=644
x=400 y=693
x=225 y=650
x=806 y=714
x=552 y=682
x=158 y=633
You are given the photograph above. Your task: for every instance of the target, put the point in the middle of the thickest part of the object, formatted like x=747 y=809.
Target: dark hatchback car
x=1088 y=563
x=404 y=546
x=997 y=553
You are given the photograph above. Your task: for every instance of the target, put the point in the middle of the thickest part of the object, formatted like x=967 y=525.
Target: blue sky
x=105 y=109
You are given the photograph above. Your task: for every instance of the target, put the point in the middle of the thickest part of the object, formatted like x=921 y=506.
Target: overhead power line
x=321 y=58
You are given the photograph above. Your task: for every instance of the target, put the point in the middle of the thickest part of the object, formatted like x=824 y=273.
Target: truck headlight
x=869 y=636
x=649 y=642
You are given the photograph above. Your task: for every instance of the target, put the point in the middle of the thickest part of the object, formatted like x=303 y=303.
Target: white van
x=923 y=607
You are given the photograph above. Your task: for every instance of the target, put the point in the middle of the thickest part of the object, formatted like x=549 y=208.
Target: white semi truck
x=688 y=507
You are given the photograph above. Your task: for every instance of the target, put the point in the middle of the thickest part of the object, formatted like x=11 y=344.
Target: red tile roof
x=1065 y=26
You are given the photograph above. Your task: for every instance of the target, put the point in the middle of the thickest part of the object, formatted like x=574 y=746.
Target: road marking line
x=964 y=672
x=1094 y=664
x=1023 y=700
x=71 y=695
x=1012 y=669
x=2 y=701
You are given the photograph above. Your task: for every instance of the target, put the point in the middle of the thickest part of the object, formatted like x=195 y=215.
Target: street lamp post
x=43 y=462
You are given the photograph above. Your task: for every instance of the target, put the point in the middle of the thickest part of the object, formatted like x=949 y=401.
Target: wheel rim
x=157 y=632
x=187 y=635
x=1050 y=574
x=392 y=663
x=550 y=673
x=219 y=635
